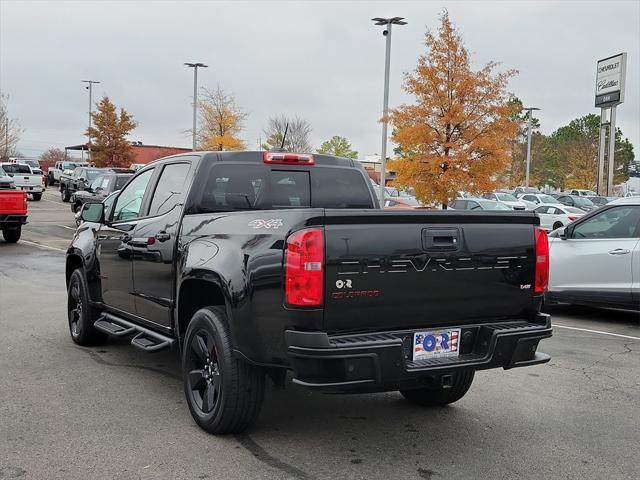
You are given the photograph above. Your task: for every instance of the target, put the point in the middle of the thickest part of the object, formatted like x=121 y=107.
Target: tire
x=36 y=197
x=439 y=396
x=557 y=225
x=81 y=314
x=64 y=194
x=224 y=393
x=77 y=206
x=52 y=180
x=12 y=235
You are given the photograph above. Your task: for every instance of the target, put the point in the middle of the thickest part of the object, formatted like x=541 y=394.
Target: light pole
x=195 y=95
x=90 y=88
x=529 y=125
x=387 y=23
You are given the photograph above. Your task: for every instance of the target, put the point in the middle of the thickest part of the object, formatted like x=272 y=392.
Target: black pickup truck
x=255 y=263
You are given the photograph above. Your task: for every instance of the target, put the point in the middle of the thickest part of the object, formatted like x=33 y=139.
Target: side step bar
x=145 y=339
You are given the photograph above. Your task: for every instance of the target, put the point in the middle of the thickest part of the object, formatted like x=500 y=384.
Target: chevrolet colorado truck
x=253 y=264
x=13 y=213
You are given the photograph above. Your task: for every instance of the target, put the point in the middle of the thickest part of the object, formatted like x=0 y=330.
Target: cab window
x=129 y=201
x=170 y=188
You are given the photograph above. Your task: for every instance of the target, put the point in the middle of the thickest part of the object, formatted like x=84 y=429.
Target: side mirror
x=93 y=212
x=565 y=233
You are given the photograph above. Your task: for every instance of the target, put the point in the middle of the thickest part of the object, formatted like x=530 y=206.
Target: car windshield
x=573 y=210
x=70 y=165
x=2 y=172
x=31 y=163
x=583 y=202
x=506 y=197
x=92 y=173
x=547 y=199
x=492 y=205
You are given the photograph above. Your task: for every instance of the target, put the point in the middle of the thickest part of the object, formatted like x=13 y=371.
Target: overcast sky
x=322 y=61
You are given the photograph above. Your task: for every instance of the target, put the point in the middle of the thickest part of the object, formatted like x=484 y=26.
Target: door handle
x=162 y=236
x=619 y=251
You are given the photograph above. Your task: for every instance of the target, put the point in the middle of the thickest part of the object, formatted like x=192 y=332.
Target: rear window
x=120 y=182
x=92 y=173
x=17 y=168
x=249 y=187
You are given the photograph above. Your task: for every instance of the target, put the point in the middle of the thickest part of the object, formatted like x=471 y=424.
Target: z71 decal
x=272 y=223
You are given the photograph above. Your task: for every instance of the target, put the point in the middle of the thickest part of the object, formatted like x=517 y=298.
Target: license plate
x=436 y=343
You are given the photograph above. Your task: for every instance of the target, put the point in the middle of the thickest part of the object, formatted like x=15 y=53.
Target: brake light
x=304 y=265
x=289 y=158
x=42 y=179
x=572 y=218
x=542 y=261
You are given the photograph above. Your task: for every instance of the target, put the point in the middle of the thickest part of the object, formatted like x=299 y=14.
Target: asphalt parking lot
x=113 y=412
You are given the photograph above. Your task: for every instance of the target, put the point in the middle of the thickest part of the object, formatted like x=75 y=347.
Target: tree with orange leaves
x=458 y=135
x=221 y=121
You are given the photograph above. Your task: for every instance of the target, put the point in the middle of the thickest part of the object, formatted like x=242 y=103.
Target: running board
x=145 y=339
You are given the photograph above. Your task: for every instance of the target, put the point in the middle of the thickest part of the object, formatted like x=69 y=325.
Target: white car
x=553 y=217
x=508 y=200
x=596 y=259
x=25 y=179
x=538 y=199
x=583 y=193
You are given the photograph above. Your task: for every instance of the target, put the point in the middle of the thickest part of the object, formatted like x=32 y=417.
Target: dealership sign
x=610 y=80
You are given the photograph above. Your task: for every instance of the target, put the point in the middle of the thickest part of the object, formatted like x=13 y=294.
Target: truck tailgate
x=390 y=270
x=13 y=202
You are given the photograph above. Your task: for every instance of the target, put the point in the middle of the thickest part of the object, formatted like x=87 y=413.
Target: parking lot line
x=51 y=201
x=42 y=246
x=596 y=331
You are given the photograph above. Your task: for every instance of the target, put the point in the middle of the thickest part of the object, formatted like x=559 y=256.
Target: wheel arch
x=73 y=262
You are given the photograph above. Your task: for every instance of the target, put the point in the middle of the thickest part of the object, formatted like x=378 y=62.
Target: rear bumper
x=383 y=360
x=31 y=189
x=11 y=220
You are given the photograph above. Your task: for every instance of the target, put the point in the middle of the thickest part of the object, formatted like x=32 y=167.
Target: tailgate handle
x=440 y=239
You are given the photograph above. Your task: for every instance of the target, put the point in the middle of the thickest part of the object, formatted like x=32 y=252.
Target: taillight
x=572 y=218
x=304 y=266
x=542 y=261
x=289 y=158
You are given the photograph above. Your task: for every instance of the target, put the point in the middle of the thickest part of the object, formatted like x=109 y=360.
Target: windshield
x=506 y=197
x=491 y=205
x=573 y=210
x=2 y=173
x=92 y=173
x=547 y=199
x=31 y=163
x=585 y=202
x=70 y=165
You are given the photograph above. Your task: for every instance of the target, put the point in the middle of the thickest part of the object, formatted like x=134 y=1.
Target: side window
x=473 y=206
x=130 y=199
x=170 y=188
x=542 y=210
x=105 y=182
x=618 y=222
x=290 y=189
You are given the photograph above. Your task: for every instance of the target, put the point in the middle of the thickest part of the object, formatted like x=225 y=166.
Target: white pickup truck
x=25 y=179
x=63 y=167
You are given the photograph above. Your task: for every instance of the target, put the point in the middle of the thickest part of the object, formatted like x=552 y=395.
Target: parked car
x=507 y=199
x=522 y=190
x=34 y=163
x=599 y=201
x=556 y=216
x=583 y=203
x=13 y=213
x=80 y=179
x=255 y=263
x=25 y=179
x=596 y=259
x=103 y=186
x=538 y=199
x=55 y=172
x=403 y=202
x=583 y=193
x=6 y=182
x=478 y=204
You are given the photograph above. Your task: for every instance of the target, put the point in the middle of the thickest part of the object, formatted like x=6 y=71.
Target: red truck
x=13 y=214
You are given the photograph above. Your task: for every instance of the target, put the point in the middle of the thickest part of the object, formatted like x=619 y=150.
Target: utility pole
x=90 y=88
x=529 y=127
x=195 y=96
x=387 y=23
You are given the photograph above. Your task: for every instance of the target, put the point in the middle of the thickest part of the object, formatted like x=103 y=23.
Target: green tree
x=338 y=146
x=108 y=135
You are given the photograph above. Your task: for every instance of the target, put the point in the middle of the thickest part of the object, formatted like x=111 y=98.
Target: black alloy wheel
x=204 y=378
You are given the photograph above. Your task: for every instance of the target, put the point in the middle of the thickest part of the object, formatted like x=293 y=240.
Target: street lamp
x=90 y=88
x=530 y=110
x=195 y=95
x=387 y=23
